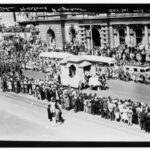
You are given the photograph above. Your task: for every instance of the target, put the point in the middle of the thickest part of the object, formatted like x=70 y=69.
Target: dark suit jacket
x=49 y=113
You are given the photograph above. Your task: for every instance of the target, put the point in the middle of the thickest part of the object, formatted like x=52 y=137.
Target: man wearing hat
x=49 y=112
x=138 y=111
x=4 y=85
x=53 y=109
x=18 y=86
x=75 y=102
x=111 y=110
x=142 y=119
x=25 y=85
x=9 y=84
x=105 y=108
x=67 y=101
x=130 y=114
x=15 y=87
x=147 y=120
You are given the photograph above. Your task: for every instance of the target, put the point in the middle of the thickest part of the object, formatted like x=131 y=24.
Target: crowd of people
x=20 y=52
x=61 y=97
x=124 y=54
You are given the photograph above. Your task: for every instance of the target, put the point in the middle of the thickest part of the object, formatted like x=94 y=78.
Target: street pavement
x=24 y=121
x=21 y=120
x=116 y=88
x=126 y=90
x=34 y=74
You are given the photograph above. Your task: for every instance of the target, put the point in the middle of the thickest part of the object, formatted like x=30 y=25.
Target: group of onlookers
x=60 y=97
x=20 y=52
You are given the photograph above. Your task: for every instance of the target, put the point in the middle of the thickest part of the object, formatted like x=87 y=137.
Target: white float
x=73 y=68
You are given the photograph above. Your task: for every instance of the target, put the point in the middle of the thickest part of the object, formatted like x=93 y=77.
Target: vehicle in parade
x=74 y=69
x=138 y=73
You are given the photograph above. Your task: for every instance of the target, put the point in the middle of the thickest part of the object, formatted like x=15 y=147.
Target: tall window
x=122 y=36
x=139 y=36
x=96 y=37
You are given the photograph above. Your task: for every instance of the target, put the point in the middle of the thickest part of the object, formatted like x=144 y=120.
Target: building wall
x=57 y=30
x=6 y=18
x=109 y=31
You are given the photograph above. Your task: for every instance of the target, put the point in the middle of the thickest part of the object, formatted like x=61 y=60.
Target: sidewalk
x=27 y=99
x=39 y=114
x=43 y=104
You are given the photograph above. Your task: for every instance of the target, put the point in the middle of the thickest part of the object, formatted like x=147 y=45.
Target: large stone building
x=92 y=30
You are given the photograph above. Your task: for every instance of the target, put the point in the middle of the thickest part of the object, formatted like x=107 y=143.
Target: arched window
x=72 y=71
x=51 y=35
x=122 y=36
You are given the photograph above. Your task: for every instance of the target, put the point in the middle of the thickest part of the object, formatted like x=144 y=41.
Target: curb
x=27 y=99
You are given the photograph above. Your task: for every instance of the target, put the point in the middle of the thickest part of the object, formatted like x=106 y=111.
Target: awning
x=91 y=58
x=98 y=59
x=61 y=55
x=84 y=64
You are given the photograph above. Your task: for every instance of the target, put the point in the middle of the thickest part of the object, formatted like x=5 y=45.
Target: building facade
x=92 y=30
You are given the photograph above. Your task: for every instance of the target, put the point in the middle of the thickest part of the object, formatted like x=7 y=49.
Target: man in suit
x=142 y=119
x=49 y=113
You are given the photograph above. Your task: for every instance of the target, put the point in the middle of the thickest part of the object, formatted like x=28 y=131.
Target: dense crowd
x=125 y=55
x=60 y=97
x=21 y=53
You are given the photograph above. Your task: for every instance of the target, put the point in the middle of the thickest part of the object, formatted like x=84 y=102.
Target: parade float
x=74 y=68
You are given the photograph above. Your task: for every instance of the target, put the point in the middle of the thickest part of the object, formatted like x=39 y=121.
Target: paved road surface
x=117 y=88
x=22 y=121
x=126 y=90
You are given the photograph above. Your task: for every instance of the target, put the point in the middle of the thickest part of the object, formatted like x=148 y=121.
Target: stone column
x=88 y=39
x=146 y=37
x=111 y=31
x=128 y=35
x=134 y=39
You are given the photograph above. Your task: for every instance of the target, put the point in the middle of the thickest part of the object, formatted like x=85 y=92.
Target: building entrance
x=96 y=38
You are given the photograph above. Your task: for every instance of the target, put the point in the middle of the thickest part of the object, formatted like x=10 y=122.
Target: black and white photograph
x=75 y=73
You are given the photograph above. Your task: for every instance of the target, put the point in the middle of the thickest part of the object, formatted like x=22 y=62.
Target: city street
x=116 y=88
x=47 y=56
x=22 y=121
x=126 y=90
